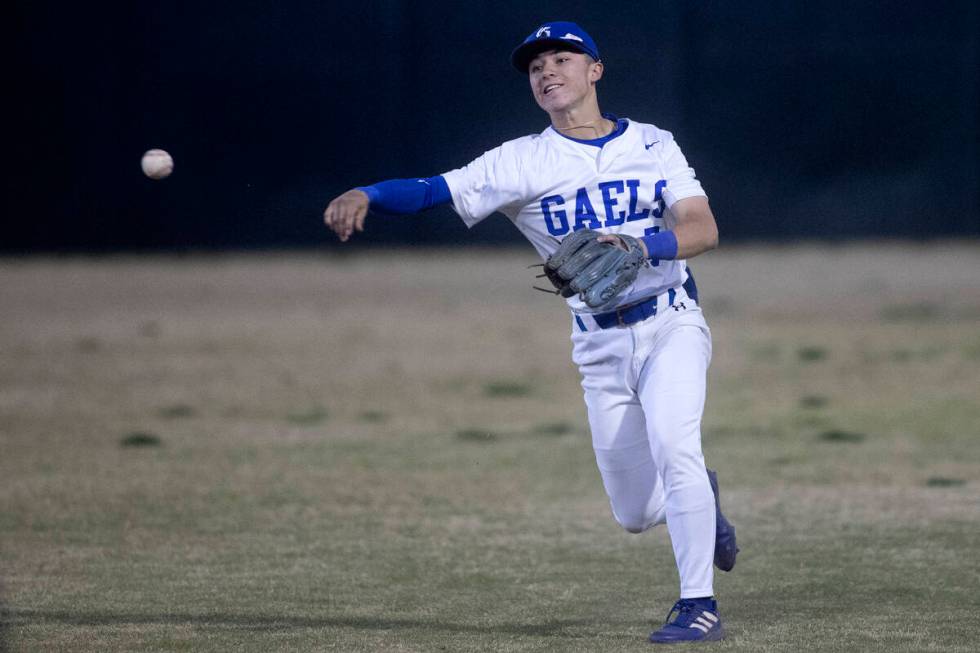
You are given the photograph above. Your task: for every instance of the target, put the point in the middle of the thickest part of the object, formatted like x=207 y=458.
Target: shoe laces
x=687 y=611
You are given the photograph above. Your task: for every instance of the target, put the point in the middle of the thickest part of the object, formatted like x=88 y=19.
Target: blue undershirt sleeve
x=406 y=196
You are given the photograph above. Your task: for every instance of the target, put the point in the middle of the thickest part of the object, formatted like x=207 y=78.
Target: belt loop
x=581 y=324
x=671 y=294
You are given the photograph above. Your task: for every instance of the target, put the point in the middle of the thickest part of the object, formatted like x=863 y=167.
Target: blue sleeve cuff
x=440 y=191
x=371 y=192
x=661 y=245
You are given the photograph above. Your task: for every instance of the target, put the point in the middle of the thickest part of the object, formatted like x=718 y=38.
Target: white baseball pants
x=644 y=389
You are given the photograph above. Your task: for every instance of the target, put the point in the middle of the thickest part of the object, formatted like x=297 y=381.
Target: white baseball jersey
x=550 y=185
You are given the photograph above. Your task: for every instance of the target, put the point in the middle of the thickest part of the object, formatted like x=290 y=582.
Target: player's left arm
x=695 y=228
x=694 y=232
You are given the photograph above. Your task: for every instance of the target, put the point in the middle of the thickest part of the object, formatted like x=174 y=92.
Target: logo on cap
x=572 y=37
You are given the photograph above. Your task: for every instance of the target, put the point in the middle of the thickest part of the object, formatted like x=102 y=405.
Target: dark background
x=803 y=120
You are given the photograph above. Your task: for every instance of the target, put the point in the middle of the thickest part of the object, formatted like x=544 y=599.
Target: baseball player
x=643 y=358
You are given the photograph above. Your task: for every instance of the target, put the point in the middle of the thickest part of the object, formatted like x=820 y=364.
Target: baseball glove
x=597 y=272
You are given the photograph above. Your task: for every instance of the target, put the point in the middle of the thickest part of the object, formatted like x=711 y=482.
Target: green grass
x=507 y=389
x=553 y=428
x=423 y=514
x=813 y=401
x=177 y=411
x=836 y=435
x=941 y=481
x=914 y=312
x=374 y=416
x=811 y=353
x=476 y=435
x=140 y=439
x=311 y=417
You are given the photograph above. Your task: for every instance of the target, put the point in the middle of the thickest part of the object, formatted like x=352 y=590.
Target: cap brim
x=523 y=54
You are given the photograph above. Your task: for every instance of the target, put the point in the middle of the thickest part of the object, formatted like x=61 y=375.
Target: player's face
x=562 y=80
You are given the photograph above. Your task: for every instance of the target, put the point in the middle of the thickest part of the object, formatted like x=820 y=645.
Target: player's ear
x=595 y=71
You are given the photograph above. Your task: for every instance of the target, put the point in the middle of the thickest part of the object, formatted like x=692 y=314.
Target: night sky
x=803 y=120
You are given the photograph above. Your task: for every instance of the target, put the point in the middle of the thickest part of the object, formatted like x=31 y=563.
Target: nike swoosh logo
x=651 y=145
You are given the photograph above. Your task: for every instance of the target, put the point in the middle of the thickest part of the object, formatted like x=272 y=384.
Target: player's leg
x=629 y=475
x=618 y=428
x=671 y=387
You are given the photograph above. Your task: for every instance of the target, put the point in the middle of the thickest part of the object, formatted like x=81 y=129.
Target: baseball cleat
x=725 y=546
x=697 y=620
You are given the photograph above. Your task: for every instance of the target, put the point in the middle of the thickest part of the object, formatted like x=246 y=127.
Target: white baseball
x=157 y=164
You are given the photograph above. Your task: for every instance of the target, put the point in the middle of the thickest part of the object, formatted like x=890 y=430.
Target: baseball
x=157 y=164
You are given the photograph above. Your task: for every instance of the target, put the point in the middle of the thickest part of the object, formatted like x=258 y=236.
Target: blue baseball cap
x=559 y=35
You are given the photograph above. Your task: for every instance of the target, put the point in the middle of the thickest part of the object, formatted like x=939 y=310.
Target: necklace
x=590 y=125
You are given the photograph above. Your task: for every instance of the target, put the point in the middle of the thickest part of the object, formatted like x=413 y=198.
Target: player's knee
x=635 y=527
x=632 y=522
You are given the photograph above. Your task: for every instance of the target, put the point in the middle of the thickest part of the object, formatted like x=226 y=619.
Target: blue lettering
x=561 y=227
x=634 y=186
x=613 y=218
x=658 y=197
x=556 y=219
x=584 y=212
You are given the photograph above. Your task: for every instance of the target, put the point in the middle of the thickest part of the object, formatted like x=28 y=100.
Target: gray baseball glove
x=597 y=272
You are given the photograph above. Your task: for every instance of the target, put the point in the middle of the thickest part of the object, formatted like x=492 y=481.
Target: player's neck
x=584 y=123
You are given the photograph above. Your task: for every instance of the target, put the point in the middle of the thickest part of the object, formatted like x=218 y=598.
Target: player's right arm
x=486 y=184
x=346 y=213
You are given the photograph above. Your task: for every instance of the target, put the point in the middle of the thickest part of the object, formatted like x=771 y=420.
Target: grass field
x=388 y=452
